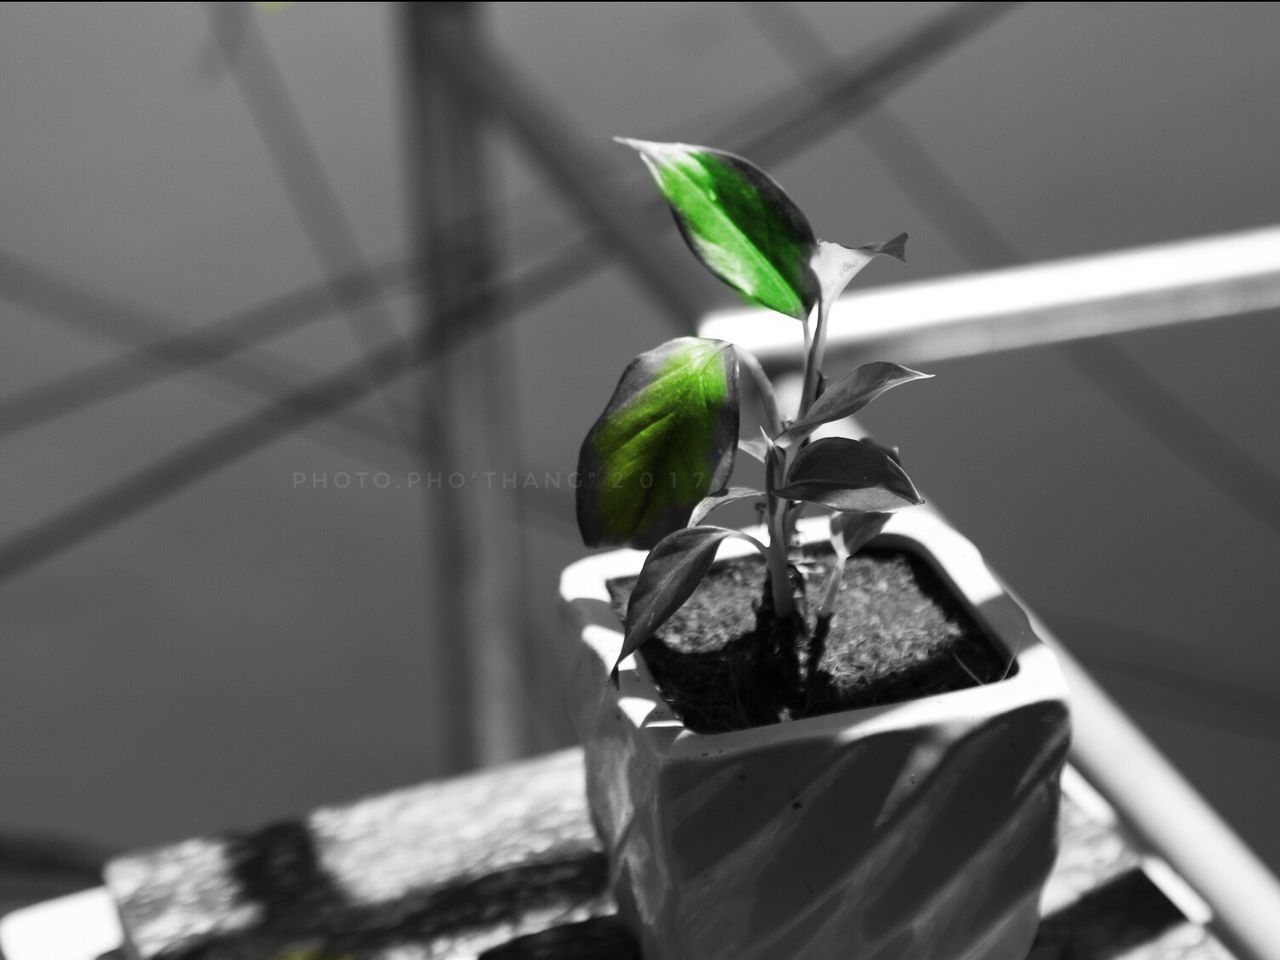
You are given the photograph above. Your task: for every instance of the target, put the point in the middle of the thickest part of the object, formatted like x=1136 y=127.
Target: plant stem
x=776 y=514
x=813 y=359
x=768 y=399
x=832 y=590
x=779 y=577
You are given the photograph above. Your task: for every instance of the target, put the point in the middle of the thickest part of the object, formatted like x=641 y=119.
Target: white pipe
x=1041 y=303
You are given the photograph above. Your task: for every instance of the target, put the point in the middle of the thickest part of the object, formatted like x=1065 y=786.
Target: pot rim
x=920 y=531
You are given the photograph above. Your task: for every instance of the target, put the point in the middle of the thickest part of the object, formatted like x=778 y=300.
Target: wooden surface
x=504 y=864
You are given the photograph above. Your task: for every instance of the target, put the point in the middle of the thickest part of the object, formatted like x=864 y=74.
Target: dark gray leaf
x=851 y=531
x=670 y=574
x=846 y=395
x=708 y=504
x=849 y=475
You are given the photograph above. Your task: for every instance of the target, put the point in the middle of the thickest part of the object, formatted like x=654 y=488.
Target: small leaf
x=851 y=531
x=707 y=504
x=845 y=396
x=848 y=475
x=738 y=222
x=670 y=574
x=757 y=448
x=775 y=461
x=666 y=440
x=834 y=265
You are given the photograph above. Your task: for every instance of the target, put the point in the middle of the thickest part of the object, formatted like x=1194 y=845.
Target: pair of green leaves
x=668 y=437
x=658 y=460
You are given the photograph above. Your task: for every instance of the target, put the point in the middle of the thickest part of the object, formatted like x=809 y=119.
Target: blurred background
x=300 y=303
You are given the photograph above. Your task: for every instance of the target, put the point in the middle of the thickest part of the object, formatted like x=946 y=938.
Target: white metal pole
x=1040 y=303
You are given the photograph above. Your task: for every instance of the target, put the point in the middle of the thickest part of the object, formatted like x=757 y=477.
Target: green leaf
x=670 y=574
x=738 y=222
x=845 y=396
x=849 y=475
x=732 y=495
x=666 y=440
x=851 y=531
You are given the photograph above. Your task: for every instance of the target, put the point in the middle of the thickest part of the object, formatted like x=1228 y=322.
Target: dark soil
x=724 y=663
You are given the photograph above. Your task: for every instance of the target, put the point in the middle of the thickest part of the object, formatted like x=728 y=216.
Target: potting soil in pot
x=897 y=633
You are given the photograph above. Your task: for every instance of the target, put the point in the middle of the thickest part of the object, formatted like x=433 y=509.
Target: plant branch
x=831 y=590
x=768 y=398
x=776 y=515
x=779 y=577
x=813 y=359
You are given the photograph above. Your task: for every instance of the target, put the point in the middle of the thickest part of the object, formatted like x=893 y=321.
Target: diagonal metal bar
x=102 y=316
x=1166 y=815
x=790 y=122
x=297 y=164
x=901 y=156
x=781 y=126
x=323 y=398
x=570 y=162
x=153 y=353
x=1236 y=701
x=347 y=431
x=157 y=355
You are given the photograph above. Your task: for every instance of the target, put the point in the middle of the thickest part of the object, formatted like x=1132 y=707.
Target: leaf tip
x=896 y=248
x=651 y=149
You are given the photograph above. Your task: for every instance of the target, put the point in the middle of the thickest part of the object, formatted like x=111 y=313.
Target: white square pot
x=921 y=830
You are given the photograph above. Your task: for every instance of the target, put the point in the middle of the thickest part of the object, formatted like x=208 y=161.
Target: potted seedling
x=826 y=737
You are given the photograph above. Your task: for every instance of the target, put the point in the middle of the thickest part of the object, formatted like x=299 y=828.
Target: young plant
x=659 y=459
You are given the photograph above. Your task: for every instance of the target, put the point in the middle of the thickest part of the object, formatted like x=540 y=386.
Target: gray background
x=252 y=648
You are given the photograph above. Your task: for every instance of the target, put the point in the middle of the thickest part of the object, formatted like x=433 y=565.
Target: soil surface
x=723 y=663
